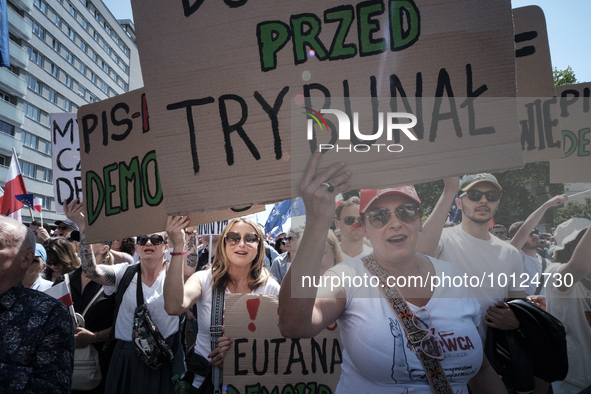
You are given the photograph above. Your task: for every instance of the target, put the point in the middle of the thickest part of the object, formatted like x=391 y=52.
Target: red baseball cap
x=367 y=196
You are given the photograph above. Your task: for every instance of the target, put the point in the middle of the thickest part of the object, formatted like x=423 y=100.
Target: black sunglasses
x=156 y=240
x=476 y=195
x=349 y=220
x=408 y=213
x=234 y=238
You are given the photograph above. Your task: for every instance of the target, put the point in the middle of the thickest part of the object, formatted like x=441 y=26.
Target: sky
x=567 y=23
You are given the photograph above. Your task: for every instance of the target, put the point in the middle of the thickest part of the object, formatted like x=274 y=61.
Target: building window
x=35 y=57
x=107 y=48
x=69 y=57
x=83 y=46
x=47 y=175
x=57 y=20
x=72 y=11
x=106 y=68
x=41 y=5
x=84 y=23
x=71 y=34
x=33 y=84
x=93 y=78
x=95 y=36
x=68 y=82
x=30 y=140
x=94 y=57
x=55 y=71
x=28 y=169
x=105 y=88
x=31 y=112
x=56 y=45
x=81 y=90
x=92 y=99
x=66 y=105
x=82 y=68
x=6 y=128
x=52 y=96
x=38 y=30
x=47 y=203
x=44 y=147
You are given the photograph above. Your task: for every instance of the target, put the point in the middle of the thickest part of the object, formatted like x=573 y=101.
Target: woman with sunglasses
x=61 y=258
x=238 y=267
x=384 y=351
x=127 y=372
x=280 y=244
x=281 y=263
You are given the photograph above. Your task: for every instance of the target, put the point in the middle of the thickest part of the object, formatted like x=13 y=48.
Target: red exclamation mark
x=252 y=306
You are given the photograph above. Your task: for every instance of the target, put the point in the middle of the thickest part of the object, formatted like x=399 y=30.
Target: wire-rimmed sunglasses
x=476 y=195
x=155 y=240
x=349 y=220
x=407 y=213
x=233 y=238
x=429 y=345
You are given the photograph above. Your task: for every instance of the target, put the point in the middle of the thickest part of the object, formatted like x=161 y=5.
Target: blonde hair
x=219 y=267
x=333 y=242
x=61 y=251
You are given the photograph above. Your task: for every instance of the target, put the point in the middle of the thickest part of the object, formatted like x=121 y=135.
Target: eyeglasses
x=499 y=232
x=476 y=195
x=349 y=220
x=421 y=319
x=155 y=240
x=63 y=228
x=233 y=238
x=289 y=239
x=54 y=264
x=408 y=213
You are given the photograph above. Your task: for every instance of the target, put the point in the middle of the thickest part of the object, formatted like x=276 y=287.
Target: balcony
x=25 y=5
x=7 y=142
x=18 y=26
x=12 y=83
x=11 y=114
x=18 y=56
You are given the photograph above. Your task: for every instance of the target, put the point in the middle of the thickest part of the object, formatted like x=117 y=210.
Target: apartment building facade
x=63 y=54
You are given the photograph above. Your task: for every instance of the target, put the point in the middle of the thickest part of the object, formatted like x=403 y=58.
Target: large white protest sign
x=222 y=78
x=120 y=172
x=261 y=360
x=65 y=158
x=575 y=123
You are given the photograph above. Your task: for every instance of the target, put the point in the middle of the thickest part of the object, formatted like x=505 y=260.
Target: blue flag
x=26 y=199
x=455 y=214
x=279 y=215
x=4 y=41
x=297 y=207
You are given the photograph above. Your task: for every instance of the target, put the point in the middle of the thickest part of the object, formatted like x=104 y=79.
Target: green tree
x=574 y=210
x=564 y=77
x=517 y=202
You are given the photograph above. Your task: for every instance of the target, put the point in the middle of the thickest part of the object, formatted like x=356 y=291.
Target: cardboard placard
x=537 y=103
x=120 y=172
x=65 y=159
x=221 y=78
x=214 y=228
x=260 y=357
x=575 y=123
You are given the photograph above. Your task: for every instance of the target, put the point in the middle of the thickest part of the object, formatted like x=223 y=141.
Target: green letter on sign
x=94 y=211
x=272 y=36
x=156 y=199
x=401 y=10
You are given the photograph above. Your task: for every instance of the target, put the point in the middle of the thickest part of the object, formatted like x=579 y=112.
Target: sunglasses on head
x=233 y=238
x=349 y=220
x=155 y=240
x=407 y=213
x=476 y=195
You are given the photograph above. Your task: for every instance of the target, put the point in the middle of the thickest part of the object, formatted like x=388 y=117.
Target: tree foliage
x=518 y=200
x=574 y=210
x=564 y=77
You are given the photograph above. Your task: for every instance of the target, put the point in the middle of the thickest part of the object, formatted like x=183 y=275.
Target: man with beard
x=526 y=239
x=347 y=222
x=474 y=250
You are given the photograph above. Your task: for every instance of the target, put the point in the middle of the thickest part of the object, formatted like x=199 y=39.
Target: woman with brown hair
x=61 y=258
x=238 y=267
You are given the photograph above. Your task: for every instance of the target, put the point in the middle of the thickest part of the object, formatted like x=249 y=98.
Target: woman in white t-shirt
x=377 y=355
x=238 y=267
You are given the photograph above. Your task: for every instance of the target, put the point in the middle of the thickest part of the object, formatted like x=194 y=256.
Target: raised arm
x=101 y=274
x=429 y=238
x=520 y=238
x=301 y=314
x=178 y=295
x=579 y=265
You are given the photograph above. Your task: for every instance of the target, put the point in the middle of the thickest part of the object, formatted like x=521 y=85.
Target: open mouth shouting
x=397 y=239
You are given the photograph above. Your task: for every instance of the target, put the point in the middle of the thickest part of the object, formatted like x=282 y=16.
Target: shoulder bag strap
x=123 y=285
x=215 y=331
x=97 y=295
x=432 y=366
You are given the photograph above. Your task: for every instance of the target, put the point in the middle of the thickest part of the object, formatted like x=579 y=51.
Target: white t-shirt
x=154 y=298
x=366 y=250
x=481 y=259
x=570 y=308
x=532 y=266
x=202 y=339
x=376 y=355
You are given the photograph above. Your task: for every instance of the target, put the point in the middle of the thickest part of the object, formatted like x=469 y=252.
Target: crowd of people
x=178 y=278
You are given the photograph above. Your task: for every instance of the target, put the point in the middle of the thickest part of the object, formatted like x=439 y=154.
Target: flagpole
x=31 y=213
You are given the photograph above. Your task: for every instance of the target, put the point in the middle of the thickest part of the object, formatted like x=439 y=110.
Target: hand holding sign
x=73 y=211
x=217 y=356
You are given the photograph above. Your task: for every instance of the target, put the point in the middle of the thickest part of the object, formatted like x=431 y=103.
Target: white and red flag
x=38 y=204
x=15 y=185
x=62 y=293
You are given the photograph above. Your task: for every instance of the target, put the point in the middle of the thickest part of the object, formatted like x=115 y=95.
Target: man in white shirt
x=347 y=221
x=526 y=239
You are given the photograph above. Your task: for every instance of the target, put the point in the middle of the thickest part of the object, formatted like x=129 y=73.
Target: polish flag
x=338 y=200
x=61 y=292
x=15 y=185
x=38 y=204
